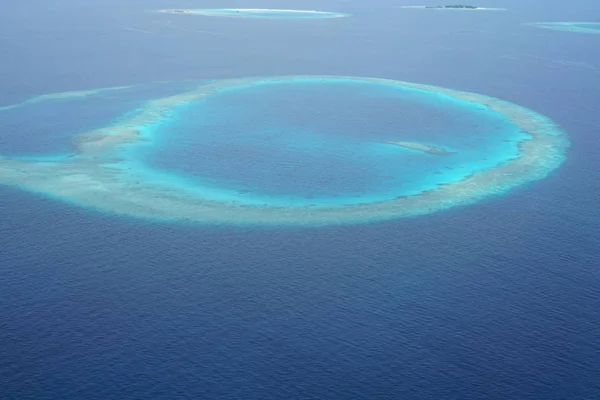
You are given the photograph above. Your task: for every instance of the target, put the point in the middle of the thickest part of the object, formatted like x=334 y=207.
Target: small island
x=434 y=150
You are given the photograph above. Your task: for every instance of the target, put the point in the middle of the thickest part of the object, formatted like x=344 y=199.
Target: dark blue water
x=493 y=301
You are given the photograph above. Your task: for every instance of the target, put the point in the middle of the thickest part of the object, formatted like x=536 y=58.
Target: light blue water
x=314 y=140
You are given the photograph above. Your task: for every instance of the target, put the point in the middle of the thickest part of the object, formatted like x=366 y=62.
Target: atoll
x=103 y=175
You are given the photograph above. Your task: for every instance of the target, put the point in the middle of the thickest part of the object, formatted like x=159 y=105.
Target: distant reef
x=462 y=6
x=255 y=13
x=466 y=7
x=434 y=150
x=576 y=27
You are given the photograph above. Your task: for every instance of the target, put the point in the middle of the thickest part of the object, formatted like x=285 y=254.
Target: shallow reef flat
x=576 y=27
x=64 y=95
x=104 y=175
x=256 y=13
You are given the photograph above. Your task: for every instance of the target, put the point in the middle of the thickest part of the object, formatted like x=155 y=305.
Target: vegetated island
x=434 y=150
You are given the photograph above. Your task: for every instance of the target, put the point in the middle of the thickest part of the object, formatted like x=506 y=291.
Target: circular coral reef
x=299 y=150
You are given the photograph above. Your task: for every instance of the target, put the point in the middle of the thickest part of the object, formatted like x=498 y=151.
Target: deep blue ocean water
x=498 y=300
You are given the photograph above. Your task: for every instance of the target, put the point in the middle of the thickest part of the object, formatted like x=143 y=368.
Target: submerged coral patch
x=409 y=173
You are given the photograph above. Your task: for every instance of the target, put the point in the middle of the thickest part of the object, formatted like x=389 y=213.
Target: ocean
x=495 y=300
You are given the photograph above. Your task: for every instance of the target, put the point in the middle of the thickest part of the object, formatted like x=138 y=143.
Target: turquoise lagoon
x=287 y=150
x=306 y=141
